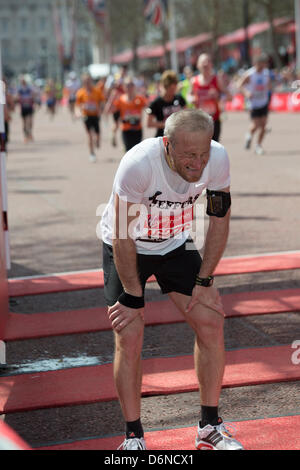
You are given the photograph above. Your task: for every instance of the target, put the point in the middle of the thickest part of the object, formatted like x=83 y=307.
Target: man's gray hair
x=188 y=120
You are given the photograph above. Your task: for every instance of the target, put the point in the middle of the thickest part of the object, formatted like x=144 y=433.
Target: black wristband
x=204 y=281
x=131 y=301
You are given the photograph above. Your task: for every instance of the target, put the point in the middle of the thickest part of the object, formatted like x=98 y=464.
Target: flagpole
x=172 y=35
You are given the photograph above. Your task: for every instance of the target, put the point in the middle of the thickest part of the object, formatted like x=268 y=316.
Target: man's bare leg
x=128 y=368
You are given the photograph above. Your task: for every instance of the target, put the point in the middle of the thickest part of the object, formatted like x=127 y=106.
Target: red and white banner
x=280 y=102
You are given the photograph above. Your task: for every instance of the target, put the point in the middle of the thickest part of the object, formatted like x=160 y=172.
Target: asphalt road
x=53 y=196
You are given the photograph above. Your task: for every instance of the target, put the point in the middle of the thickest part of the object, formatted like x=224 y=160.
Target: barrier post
x=297 y=21
x=4 y=252
x=3 y=166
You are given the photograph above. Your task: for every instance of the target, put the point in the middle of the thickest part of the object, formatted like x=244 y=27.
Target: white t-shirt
x=73 y=86
x=258 y=85
x=143 y=177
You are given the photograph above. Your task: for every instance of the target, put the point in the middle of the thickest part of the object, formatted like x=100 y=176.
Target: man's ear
x=166 y=144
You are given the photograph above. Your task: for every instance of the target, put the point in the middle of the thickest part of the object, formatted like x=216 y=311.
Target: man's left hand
x=208 y=297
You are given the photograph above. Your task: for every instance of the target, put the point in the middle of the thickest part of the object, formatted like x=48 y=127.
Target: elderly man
x=160 y=179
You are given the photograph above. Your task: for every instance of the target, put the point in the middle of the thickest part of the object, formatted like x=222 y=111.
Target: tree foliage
x=129 y=29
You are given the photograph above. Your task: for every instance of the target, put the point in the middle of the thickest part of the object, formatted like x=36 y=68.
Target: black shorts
x=6 y=130
x=116 y=116
x=92 y=122
x=131 y=138
x=27 y=112
x=260 y=112
x=217 y=130
x=51 y=103
x=175 y=271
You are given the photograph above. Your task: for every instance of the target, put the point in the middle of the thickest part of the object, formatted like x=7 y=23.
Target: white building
x=29 y=38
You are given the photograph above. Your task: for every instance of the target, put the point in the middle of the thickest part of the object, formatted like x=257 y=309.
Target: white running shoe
x=93 y=158
x=216 y=438
x=259 y=150
x=248 y=141
x=134 y=443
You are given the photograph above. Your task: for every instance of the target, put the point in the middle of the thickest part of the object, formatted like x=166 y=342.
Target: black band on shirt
x=131 y=301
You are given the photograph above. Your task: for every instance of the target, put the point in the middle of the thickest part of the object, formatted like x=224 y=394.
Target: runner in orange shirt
x=130 y=105
x=88 y=103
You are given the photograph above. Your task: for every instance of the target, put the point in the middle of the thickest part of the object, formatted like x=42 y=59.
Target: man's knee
x=209 y=327
x=130 y=339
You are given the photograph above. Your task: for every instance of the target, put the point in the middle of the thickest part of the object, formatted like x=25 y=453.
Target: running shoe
x=216 y=438
x=259 y=150
x=133 y=444
x=93 y=158
x=248 y=141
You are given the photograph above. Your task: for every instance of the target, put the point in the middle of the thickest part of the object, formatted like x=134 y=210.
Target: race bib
x=90 y=106
x=132 y=119
x=209 y=106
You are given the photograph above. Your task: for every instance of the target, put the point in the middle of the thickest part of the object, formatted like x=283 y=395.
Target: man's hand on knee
x=208 y=297
x=121 y=316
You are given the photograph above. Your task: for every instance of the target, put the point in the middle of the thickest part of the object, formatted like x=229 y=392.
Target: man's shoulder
x=147 y=149
x=80 y=92
x=250 y=71
x=179 y=97
x=216 y=147
x=148 y=146
x=97 y=92
x=218 y=152
x=157 y=100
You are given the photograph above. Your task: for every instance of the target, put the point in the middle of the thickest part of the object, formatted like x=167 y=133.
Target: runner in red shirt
x=207 y=90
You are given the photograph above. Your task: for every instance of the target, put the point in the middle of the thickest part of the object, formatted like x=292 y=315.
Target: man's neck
x=168 y=96
x=169 y=161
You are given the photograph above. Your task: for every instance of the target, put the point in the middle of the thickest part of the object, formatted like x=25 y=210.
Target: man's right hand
x=120 y=315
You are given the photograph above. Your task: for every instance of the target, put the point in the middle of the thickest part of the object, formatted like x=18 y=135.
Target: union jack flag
x=98 y=8
x=156 y=11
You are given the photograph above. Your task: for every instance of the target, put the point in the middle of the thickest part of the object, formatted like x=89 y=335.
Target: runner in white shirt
x=145 y=230
x=73 y=84
x=256 y=85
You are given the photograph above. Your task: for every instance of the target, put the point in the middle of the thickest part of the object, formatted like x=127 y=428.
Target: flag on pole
x=99 y=10
x=58 y=33
x=156 y=11
x=65 y=32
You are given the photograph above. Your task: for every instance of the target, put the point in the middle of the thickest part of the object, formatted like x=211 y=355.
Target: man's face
x=189 y=154
x=172 y=88
x=130 y=88
x=260 y=66
x=205 y=65
x=87 y=83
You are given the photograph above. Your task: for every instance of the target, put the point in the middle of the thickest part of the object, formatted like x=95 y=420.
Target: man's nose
x=198 y=163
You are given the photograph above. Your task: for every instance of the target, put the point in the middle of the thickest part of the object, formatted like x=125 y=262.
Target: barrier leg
x=2 y=352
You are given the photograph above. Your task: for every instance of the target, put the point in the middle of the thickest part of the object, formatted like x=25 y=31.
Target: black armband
x=218 y=203
x=131 y=301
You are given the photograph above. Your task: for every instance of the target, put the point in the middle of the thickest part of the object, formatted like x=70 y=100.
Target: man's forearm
x=215 y=243
x=125 y=258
